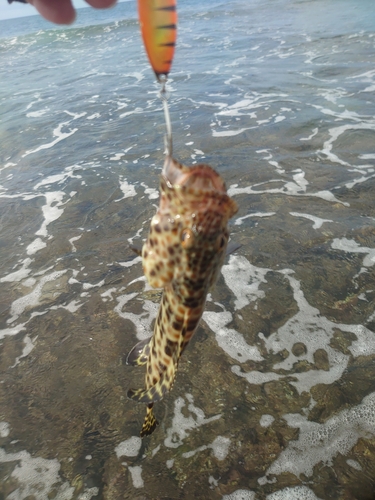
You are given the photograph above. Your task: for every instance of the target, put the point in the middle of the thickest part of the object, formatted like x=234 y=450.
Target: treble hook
x=168 y=143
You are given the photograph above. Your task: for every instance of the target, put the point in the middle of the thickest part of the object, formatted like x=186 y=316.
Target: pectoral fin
x=138 y=356
x=136 y=249
x=232 y=247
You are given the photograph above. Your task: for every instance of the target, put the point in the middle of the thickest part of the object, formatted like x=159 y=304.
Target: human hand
x=62 y=11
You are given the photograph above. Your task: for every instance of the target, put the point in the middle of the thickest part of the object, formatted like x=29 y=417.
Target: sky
x=17 y=9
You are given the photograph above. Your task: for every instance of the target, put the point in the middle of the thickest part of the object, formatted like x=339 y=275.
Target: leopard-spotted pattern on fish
x=183 y=254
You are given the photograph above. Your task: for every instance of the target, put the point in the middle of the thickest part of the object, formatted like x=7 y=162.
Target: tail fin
x=150 y=423
x=138 y=356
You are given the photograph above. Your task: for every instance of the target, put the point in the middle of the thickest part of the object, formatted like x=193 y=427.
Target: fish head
x=188 y=235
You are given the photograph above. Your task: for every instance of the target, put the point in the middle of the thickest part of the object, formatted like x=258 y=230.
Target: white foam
x=135 y=111
x=153 y=194
x=88 y=286
x=220 y=448
x=142 y=322
x=322 y=442
x=4 y=429
x=354 y=464
x=20 y=274
x=129 y=448
x=108 y=293
x=244 y=280
x=127 y=189
x=7 y=165
x=117 y=157
x=67 y=173
x=318 y=222
x=239 y=221
x=295 y=493
x=51 y=210
x=29 y=346
x=240 y=495
x=351 y=246
x=136 y=474
x=32 y=299
x=336 y=132
x=213 y=482
x=181 y=425
x=10 y=332
x=314 y=132
x=60 y=136
x=229 y=133
x=71 y=241
x=36 y=114
x=231 y=341
x=137 y=234
x=131 y=263
x=36 y=477
x=35 y=246
x=88 y=494
x=266 y=420
x=366 y=77
x=255 y=377
x=297 y=329
x=295 y=188
x=155 y=450
x=277 y=166
x=365 y=343
x=72 y=306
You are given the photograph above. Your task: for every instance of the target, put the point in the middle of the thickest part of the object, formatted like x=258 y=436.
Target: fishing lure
x=158 y=21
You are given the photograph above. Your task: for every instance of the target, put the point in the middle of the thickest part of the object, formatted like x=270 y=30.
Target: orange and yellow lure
x=158 y=20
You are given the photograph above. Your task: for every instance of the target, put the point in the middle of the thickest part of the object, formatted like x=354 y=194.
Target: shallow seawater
x=275 y=397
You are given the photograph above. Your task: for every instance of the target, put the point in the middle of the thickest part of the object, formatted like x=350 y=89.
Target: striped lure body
x=158 y=20
x=183 y=255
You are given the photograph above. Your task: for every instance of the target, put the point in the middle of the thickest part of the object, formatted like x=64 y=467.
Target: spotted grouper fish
x=183 y=254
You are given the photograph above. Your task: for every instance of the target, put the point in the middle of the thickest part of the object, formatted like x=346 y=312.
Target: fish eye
x=187 y=238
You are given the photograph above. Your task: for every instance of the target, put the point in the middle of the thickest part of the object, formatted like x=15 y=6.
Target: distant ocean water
x=275 y=398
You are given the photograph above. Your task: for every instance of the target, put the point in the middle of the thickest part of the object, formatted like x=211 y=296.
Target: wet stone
x=299 y=349
x=321 y=359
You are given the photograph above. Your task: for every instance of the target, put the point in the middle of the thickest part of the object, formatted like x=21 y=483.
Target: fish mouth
x=200 y=177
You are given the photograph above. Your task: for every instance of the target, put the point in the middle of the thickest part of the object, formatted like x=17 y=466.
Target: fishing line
x=168 y=142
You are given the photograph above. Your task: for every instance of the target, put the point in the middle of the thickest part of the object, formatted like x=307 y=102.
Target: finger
x=101 y=4
x=56 y=11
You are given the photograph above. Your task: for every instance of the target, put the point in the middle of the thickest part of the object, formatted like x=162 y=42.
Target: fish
x=158 y=22
x=183 y=254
